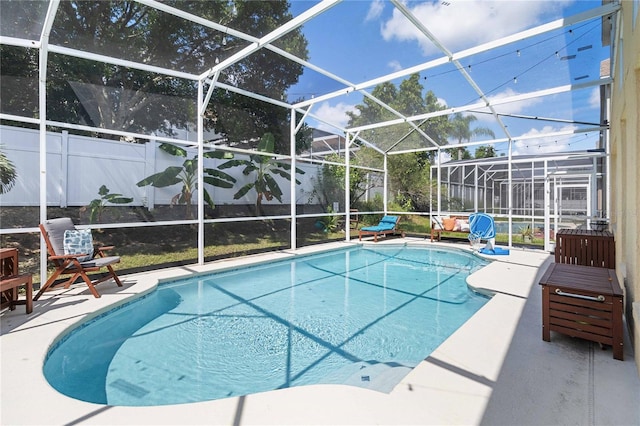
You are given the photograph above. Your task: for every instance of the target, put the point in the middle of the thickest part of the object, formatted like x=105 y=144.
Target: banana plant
x=264 y=167
x=8 y=173
x=187 y=174
x=98 y=205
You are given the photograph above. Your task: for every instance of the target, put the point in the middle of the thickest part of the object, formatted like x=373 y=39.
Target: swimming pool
x=361 y=316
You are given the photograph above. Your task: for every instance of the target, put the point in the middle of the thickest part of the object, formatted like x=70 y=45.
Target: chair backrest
x=482 y=225
x=389 y=220
x=53 y=231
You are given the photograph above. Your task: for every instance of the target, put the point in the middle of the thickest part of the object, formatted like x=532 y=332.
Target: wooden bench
x=440 y=224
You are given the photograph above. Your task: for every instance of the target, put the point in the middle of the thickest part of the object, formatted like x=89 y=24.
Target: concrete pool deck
x=495 y=369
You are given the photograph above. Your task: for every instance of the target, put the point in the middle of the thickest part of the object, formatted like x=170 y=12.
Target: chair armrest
x=100 y=251
x=68 y=256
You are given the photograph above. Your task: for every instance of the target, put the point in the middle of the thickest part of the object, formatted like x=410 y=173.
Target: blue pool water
x=361 y=316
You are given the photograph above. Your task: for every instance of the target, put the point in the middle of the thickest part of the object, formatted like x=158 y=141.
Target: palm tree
x=8 y=174
x=264 y=167
x=461 y=131
x=187 y=174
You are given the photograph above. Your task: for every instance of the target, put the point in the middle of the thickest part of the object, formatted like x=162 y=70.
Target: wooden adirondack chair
x=78 y=264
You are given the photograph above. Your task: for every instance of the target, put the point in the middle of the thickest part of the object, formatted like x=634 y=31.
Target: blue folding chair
x=482 y=227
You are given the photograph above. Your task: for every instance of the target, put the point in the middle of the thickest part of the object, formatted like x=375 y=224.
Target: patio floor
x=495 y=369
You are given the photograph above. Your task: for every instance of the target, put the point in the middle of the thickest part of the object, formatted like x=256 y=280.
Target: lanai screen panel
x=113 y=97
x=22 y=19
x=19 y=82
x=135 y=32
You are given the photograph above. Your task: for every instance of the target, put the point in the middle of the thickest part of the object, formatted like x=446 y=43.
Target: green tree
x=409 y=178
x=115 y=97
x=408 y=173
x=264 y=167
x=485 y=151
x=187 y=175
x=461 y=131
x=330 y=185
x=8 y=174
x=407 y=99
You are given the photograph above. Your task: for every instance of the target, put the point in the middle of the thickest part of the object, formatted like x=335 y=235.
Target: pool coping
x=464 y=371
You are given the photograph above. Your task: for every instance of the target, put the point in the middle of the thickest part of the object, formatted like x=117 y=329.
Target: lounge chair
x=72 y=253
x=387 y=225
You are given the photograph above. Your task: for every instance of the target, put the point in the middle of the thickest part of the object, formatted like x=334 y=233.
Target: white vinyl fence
x=77 y=166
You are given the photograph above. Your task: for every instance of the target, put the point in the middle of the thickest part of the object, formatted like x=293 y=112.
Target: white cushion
x=79 y=241
x=437 y=223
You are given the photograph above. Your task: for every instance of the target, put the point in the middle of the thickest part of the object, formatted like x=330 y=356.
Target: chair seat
x=96 y=262
x=99 y=262
x=378 y=228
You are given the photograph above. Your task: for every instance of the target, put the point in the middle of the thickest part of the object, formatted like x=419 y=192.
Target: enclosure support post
x=593 y=186
x=43 y=54
x=201 y=109
x=532 y=193
x=547 y=209
x=292 y=181
x=485 y=193
x=475 y=192
x=439 y=182
x=347 y=186
x=385 y=184
x=510 y=193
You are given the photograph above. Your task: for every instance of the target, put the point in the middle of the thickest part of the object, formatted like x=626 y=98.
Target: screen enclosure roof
x=530 y=73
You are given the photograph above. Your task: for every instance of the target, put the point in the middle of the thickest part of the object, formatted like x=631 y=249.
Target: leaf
x=173 y=150
x=287 y=166
x=282 y=165
x=218 y=154
x=190 y=166
x=273 y=187
x=162 y=179
x=250 y=168
x=208 y=199
x=217 y=182
x=233 y=163
x=103 y=190
x=120 y=200
x=282 y=173
x=217 y=173
x=243 y=191
x=267 y=143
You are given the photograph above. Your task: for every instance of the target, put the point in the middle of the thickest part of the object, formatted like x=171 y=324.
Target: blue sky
x=362 y=40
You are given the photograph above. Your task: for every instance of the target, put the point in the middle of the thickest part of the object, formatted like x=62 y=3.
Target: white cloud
x=476 y=21
x=394 y=65
x=540 y=144
x=508 y=108
x=594 y=98
x=334 y=114
x=375 y=10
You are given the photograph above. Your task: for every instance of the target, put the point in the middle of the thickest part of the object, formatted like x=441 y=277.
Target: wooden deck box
x=11 y=280
x=585 y=247
x=585 y=302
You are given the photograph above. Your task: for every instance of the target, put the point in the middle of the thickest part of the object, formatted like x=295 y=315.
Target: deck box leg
x=546 y=317
x=617 y=331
